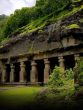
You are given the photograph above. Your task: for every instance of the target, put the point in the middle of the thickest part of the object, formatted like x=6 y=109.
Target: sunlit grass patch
x=18 y=97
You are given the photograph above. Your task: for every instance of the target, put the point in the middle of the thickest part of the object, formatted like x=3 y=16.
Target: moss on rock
x=72 y=26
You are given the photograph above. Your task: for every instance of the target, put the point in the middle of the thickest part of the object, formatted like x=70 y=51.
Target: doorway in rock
x=40 y=68
x=8 y=72
x=53 y=63
x=28 y=69
x=69 y=61
x=17 y=71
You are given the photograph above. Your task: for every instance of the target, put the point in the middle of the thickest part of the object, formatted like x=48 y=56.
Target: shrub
x=78 y=72
x=56 y=77
x=80 y=77
x=69 y=74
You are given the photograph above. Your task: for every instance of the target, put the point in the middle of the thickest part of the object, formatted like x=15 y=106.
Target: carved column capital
x=46 y=61
x=77 y=57
x=12 y=66
x=22 y=65
x=61 y=62
x=33 y=63
x=60 y=58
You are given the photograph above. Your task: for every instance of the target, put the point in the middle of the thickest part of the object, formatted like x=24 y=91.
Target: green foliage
x=56 y=77
x=78 y=72
x=59 y=76
x=73 y=26
x=31 y=19
x=80 y=77
x=19 y=19
x=67 y=13
x=35 y=24
x=27 y=15
x=49 y=6
x=3 y=20
x=69 y=74
x=2 y=17
x=16 y=97
x=81 y=20
x=76 y=0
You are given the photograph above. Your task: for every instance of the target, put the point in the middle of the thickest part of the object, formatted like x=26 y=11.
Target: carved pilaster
x=12 y=73
x=34 y=72
x=3 y=74
x=46 y=70
x=22 y=71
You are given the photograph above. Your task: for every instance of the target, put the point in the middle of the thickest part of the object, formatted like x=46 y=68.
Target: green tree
x=3 y=20
x=26 y=15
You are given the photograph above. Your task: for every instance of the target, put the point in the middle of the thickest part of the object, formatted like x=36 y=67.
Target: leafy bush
x=69 y=74
x=56 y=77
x=78 y=72
x=80 y=77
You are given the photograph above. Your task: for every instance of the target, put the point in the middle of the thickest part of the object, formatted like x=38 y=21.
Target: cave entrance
x=40 y=68
x=53 y=63
x=69 y=62
x=8 y=69
x=17 y=72
x=28 y=70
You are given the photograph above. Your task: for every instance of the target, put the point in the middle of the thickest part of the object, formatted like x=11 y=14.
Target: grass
x=18 y=97
x=31 y=98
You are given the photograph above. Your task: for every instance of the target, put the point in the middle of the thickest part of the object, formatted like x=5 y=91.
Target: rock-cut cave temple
x=31 y=58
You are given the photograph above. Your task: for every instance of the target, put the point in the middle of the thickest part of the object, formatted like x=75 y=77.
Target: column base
x=22 y=84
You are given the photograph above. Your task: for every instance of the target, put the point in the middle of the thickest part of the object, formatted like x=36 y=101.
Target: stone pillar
x=46 y=70
x=22 y=71
x=34 y=72
x=61 y=62
x=12 y=72
x=3 y=74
